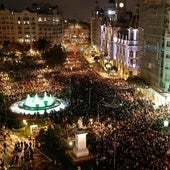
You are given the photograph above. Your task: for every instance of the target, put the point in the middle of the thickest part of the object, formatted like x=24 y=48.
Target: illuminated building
x=118 y=38
x=142 y=48
x=155 y=61
x=50 y=25
x=26 y=26
x=7 y=25
x=128 y=50
x=30 y=25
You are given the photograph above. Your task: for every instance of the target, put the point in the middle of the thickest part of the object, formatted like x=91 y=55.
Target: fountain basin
x=38 y=103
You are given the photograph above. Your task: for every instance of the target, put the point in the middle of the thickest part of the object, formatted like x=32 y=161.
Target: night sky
x=78 y=9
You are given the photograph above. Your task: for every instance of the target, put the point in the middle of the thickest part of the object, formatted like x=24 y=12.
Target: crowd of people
x=127 y=134
x=14 y=151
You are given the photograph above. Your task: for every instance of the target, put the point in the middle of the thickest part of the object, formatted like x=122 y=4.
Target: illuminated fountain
x=38 y=103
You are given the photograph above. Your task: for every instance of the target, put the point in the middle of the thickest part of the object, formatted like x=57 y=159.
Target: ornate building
x=118 y=35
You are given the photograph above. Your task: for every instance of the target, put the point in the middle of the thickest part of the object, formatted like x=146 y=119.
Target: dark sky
x=71 y=8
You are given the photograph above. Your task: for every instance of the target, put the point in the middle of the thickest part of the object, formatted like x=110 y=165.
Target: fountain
x=38 y=103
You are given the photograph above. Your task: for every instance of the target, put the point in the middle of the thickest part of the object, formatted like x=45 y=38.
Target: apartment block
x=30 y=25
x=155 y=61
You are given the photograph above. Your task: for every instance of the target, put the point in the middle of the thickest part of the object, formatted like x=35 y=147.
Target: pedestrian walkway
x=11 y=160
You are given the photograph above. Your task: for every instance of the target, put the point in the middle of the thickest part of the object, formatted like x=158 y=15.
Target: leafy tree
x=26 y=59
x=52 y=141
x=42 y=45
x=6 y=46
x=137 y=81
x=55 y=56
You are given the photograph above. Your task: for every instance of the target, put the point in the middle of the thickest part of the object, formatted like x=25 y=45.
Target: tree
x=137 y=81
x=55 y=56
x=41 y=45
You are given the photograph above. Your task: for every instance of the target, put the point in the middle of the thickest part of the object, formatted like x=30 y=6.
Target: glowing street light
x=70 y=143
x=25 y=124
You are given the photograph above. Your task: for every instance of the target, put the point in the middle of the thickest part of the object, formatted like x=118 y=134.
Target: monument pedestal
x=80 y=152
x=80 y=148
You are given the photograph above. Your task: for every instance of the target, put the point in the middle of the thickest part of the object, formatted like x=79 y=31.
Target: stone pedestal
x=80 y=148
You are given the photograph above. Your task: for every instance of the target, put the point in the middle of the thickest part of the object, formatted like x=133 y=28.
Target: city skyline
x=70 y=9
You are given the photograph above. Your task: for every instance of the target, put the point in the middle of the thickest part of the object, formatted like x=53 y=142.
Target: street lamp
x=90 y=98
x=25 y=124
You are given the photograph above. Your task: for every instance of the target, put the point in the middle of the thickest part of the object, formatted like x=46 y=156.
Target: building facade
x=50 y=25
x=155 y=61
x=26 y=26
x=7 y=26
x=30 y=25
x=118 y=38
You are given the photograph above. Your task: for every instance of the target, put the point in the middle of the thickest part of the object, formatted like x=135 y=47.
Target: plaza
x=44 y=96
x=110 y=129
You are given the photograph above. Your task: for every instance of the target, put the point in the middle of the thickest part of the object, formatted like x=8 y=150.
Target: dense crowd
x=126 y=128
x=127 y=134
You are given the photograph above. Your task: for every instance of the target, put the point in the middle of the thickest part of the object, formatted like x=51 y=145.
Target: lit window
x=111 y=12
x=40 y=19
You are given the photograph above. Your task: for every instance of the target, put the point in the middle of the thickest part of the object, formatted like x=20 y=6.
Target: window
x=168 y=44
x=131 y=61
x=39 y=19
x=167 y=66
x=131 y=54
x=167 y=77
x=167 y=56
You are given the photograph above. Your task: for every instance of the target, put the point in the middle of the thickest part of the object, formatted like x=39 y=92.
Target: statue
x=80 y=123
